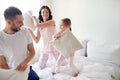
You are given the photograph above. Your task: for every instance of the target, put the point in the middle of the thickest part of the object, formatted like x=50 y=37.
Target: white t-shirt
x=14 y=46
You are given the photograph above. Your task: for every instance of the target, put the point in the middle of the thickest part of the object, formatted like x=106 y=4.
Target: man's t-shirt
x=14 y=46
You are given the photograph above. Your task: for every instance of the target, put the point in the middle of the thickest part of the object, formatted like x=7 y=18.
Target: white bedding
x=11 y=74
x=89 y=70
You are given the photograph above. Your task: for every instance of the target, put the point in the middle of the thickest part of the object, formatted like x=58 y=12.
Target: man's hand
x=3 y=63
x=22 y=66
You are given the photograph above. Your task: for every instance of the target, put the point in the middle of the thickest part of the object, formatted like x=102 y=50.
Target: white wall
x=23 y=5
x=91 y=19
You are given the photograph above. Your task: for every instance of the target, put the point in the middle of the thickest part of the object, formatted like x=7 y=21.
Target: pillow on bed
x=11 y=74
x=66 y=43
x=83 y=51
x=104 y=51
x=28 y=21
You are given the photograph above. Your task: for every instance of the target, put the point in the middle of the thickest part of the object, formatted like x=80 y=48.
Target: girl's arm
x=37 y=37
x=57 y=35
x=50 y=23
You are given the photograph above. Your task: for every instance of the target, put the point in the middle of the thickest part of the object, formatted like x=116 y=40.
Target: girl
x=64 y=25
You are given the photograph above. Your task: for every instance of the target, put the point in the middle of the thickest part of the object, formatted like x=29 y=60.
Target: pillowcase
x=66 y=43
x=28 y=21
x=109 y=52
x=83 y=51
x=10 y=74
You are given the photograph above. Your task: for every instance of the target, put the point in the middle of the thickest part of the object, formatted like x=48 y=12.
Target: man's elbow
x=33 y=53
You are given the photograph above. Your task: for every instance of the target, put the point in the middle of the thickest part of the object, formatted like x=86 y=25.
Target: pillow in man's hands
x=10 y=74
x=66 y=43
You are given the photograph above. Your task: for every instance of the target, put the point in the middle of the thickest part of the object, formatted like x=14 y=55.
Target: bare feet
x=56 y=70
x=76 y=74
x=74 y=70
x=53 y=73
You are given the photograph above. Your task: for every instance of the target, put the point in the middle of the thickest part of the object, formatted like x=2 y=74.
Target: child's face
x=62 y=25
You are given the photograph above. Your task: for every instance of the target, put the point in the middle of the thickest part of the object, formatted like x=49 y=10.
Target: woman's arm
x=37 y=37
x=49 y=23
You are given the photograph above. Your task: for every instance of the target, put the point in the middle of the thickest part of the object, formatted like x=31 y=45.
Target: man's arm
x=31 y=52
x=3 y=63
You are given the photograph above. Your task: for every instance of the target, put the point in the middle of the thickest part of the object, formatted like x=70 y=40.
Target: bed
x=101 y=63
x=89 y=70
x=96 y=61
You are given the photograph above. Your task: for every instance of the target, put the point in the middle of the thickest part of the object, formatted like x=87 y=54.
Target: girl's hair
x=67 y=22
x=40 y=17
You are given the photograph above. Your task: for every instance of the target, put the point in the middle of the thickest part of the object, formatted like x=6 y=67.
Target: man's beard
x=15 y=30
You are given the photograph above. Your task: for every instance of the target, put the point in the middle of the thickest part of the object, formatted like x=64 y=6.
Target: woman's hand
x=33 y=17
x=35 y=21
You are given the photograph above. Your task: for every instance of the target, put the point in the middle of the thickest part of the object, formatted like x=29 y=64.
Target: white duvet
x=89 y=70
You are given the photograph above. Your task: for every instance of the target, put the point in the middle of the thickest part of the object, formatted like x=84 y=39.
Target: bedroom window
x=23 y=5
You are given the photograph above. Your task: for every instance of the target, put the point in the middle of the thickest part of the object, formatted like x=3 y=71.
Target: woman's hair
x=67 y=22
x=40 y=17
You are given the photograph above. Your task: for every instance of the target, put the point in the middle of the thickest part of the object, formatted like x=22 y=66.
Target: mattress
x=89 y=70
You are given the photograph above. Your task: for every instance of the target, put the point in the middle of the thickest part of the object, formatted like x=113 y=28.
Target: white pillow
x=28 y=21
x=10 y=74
x=104 y=51
x=66 y=43
x=83 y=51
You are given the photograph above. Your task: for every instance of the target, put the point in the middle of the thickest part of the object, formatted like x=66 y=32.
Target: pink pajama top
x=46 y=35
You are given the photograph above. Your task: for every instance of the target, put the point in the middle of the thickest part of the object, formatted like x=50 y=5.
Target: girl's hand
x=57 y=36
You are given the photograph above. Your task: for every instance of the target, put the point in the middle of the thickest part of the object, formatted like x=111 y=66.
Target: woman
x=46 y=28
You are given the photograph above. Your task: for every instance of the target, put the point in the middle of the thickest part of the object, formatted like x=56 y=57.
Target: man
x=16 y=46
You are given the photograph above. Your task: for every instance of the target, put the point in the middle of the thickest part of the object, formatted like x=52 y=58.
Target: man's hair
x=11 y=12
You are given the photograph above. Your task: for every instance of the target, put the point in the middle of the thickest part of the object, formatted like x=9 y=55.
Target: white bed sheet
x=115 y=67
x=89 y=70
